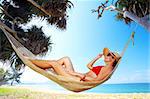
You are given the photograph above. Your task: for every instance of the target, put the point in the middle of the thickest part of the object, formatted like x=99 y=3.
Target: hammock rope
x=66 y=82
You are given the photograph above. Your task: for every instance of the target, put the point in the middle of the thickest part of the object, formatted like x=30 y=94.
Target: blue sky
x=86 y=36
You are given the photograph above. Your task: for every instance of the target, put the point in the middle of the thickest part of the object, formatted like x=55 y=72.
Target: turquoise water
x=122 y=88
x=103 y=88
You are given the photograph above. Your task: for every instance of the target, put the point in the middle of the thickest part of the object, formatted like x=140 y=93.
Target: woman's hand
x=90 y=64
x=82 y=78
x=87 y=78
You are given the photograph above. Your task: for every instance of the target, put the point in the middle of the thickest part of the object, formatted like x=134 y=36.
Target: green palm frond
x=17 y=12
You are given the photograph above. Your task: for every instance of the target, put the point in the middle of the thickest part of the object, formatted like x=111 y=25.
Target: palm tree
x=139 y=8
x=14 y=13
x=2 y=74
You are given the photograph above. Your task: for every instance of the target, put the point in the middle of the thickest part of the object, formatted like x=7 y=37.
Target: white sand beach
x=15 y=92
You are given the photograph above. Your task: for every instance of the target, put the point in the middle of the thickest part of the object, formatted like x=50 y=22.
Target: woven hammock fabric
x=66 y=82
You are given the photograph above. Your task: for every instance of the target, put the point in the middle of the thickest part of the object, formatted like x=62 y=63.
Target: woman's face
x=109 y=58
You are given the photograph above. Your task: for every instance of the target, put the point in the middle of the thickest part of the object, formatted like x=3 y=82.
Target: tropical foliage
x=1 y=73
x=137 y=7
x=9 y=75
x=15 y=13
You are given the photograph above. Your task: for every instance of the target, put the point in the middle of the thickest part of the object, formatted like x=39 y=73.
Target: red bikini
x=97 y=69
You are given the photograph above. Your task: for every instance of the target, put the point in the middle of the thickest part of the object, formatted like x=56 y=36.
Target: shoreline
x=14 y=92
x=33 y=88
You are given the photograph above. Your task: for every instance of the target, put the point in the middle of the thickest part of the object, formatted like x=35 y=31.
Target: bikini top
x=97 y=69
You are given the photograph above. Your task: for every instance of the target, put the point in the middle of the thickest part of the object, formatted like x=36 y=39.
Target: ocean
x=103 y=88
x=122 y=88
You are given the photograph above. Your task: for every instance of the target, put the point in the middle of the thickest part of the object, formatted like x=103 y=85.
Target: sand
x=36 y=93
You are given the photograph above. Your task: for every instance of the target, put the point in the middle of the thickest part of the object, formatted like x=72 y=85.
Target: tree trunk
x=145 y=23
x=42 y=9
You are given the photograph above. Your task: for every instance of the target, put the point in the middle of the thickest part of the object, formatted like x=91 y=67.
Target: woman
x=64 y=66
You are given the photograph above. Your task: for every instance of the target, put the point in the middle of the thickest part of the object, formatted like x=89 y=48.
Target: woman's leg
x=65 y=61
x=69 y=67
x=44 y=64
x=59 y=69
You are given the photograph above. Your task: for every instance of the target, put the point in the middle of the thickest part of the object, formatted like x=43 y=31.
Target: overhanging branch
x=130 y=15
x=2 y=25
x=42 y=9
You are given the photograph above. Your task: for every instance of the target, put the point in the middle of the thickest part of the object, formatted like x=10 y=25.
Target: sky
x=86 y=36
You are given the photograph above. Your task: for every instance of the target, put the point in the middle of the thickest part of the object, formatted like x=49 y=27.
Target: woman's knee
x=66 y=58
x=53 y=63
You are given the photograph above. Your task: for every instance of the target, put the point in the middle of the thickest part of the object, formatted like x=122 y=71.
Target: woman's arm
x=90 y=64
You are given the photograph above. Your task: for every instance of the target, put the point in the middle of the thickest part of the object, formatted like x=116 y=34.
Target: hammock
x=66 y=82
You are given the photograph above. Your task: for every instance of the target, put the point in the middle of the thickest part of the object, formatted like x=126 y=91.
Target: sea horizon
x=143 y=87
